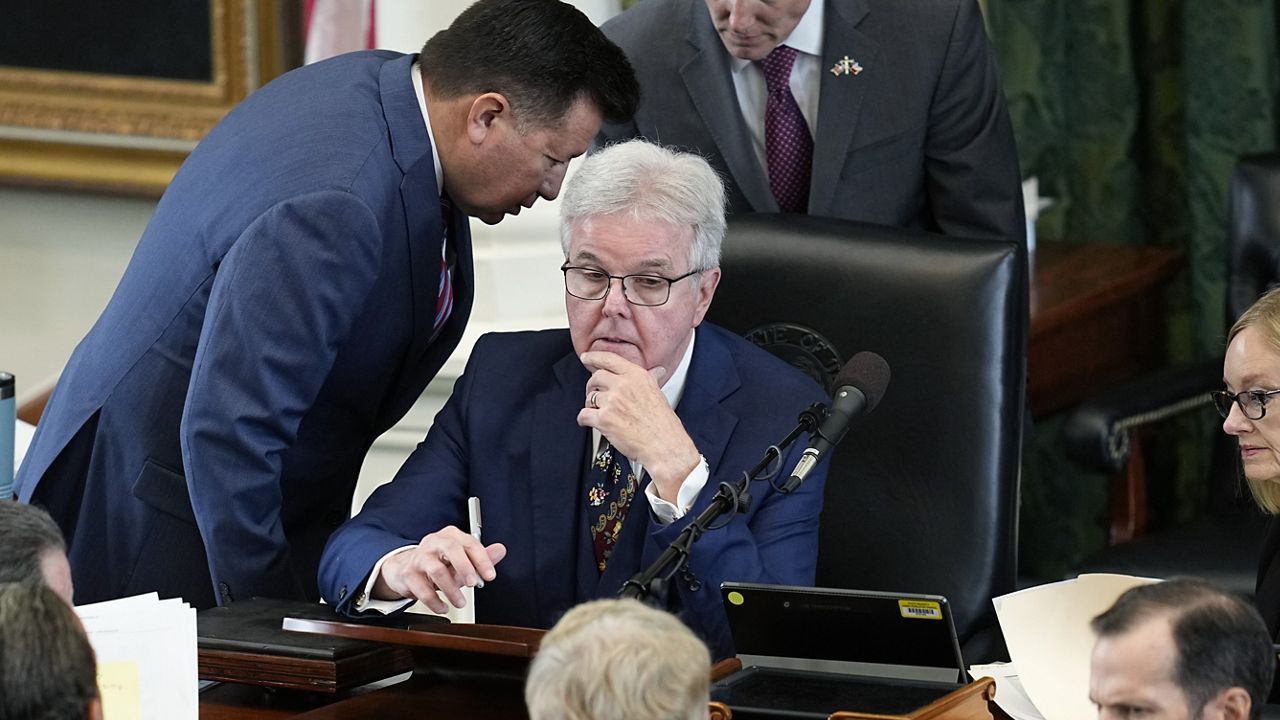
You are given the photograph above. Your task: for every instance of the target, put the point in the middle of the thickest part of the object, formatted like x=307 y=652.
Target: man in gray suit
x=906 y=122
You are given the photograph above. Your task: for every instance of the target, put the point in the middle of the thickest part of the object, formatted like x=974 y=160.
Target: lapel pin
x=846 y=66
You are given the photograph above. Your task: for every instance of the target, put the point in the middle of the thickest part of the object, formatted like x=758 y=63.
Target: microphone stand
x=652 y=581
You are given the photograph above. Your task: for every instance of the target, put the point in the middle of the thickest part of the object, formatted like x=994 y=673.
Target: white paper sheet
x=1047 y=632
x=146 y=649
x=22 y=434
x=1010 y=695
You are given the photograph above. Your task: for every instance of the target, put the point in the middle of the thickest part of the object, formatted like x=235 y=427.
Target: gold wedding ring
x=592 y=400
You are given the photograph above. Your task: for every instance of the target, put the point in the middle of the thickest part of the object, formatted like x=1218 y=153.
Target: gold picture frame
x=129 y=134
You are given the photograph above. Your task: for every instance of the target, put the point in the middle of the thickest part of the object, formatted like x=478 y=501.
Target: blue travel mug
x=8 y=411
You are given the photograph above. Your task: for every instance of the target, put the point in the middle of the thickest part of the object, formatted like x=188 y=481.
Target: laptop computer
x=816 y=650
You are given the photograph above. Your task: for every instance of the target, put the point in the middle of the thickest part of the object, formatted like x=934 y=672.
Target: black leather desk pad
x=769 y=692
x=253 y=626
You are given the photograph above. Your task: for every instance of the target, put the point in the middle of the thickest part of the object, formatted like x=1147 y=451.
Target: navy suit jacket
x=509 y=435
x=920 y=138
x=276 y=317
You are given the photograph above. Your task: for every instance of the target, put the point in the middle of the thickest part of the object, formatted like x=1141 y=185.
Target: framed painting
x=112 y=96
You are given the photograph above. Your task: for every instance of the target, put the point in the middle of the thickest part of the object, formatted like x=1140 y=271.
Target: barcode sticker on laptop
x=920 y=609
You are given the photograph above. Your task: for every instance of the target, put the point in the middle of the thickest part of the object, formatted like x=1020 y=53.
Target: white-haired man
x=592 y=448
x=652 y=667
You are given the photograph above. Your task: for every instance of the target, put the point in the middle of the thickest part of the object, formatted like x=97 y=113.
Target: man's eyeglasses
x=647 y=290
x=1253 y=403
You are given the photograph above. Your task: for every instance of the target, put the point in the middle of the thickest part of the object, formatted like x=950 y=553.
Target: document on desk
x=1047 y=632
x=23 y=433
x=146 y=649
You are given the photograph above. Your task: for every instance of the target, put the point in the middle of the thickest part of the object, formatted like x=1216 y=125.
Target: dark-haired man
x=1180 y=650
x=305 y=275
x=32 y=549
x=47 y=666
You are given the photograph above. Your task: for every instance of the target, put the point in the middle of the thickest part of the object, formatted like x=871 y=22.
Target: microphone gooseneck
x=859 y=386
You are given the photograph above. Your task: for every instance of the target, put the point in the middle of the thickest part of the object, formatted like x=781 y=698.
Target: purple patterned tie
x=788 y=146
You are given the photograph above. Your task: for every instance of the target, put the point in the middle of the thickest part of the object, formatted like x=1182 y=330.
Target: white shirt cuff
x=365 y=601
x=689 y=489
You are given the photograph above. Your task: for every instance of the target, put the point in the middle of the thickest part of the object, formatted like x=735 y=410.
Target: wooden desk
x=417 y=697
x=1096 y=317
x=425 y=697
x=445 y=694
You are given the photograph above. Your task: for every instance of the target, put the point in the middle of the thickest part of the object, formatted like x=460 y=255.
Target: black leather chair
x=1222 y=543
x=922 y=495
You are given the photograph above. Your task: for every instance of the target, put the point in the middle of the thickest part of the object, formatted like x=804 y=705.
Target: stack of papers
x=1047 y=631
x=146 y=650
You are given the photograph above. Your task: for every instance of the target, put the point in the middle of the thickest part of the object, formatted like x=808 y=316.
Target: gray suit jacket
x=919 y=138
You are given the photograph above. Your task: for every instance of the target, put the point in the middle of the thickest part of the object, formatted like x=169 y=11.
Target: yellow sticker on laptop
x=920 y=609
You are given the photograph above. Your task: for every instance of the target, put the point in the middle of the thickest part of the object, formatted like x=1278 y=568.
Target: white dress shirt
x=806 y=79
x=422 y=104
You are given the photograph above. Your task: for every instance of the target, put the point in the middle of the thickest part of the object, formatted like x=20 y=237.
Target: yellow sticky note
x=118 y=686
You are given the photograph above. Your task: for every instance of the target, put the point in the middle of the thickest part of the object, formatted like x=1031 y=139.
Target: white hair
x=652 y=183
x=619 y=660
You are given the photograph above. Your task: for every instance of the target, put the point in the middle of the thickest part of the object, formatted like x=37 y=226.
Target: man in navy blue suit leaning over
x=304 y=277
x=591 y=448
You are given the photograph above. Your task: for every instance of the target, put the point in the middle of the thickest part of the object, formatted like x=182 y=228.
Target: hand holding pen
x=442 y=563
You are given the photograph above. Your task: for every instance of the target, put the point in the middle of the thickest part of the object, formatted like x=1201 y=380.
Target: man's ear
x=707 y=283
x=95 y=709
x=484 y=111
x=1230 y=704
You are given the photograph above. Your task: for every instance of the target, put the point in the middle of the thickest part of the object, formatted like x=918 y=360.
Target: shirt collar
x=673 y=388
x=418 y=90
x=806 y=37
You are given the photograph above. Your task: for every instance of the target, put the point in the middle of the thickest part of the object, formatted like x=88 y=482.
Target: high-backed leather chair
x=922 y=494
x=1222 y=542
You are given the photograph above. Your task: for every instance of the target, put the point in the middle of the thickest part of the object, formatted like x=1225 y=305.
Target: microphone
x=859 y=386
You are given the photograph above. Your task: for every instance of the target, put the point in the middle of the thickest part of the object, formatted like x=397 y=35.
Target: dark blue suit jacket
x=509 y=435
x=276 y=317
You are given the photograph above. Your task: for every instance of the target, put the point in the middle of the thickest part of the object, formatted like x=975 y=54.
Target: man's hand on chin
x=625 y=403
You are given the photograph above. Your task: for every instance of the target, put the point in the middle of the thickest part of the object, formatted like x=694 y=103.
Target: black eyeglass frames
x=1253 y=403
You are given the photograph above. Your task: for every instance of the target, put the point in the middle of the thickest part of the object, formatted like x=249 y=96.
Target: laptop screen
x=859 y=627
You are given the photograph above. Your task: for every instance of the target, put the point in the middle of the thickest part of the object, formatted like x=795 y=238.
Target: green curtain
x=1131 y=113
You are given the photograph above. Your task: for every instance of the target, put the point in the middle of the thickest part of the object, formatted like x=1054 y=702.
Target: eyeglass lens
x=1251 y=403
x=639 y=289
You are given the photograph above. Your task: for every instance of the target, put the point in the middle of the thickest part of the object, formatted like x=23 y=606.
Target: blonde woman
x=1251 y=405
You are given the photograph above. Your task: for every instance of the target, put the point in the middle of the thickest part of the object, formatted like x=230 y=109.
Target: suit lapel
x=419 y=199
x=713 y=376
x=426 y=230
x=840 y=98
x=558 y=453
x=709 y=80
x=425 y=225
